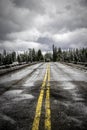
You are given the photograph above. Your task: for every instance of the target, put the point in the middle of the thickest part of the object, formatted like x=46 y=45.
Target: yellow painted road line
x=47 y=104
x=39 y=105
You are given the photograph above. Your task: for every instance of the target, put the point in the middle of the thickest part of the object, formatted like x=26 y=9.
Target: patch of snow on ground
x=23 y=97
x=12 y=93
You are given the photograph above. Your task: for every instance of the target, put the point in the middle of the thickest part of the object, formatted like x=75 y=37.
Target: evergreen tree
x=19 y=58
x=54 y=53
x=33 y=55
x=59 y=54
x=39 y=55
x=13 y=56
x=1 y=59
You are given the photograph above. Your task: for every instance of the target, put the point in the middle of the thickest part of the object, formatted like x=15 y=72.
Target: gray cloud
x=32 y=5
x=43 y=23
x=14 y=19
x=83 y=3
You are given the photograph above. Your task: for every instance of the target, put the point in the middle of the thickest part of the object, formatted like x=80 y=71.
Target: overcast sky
x=41 y=23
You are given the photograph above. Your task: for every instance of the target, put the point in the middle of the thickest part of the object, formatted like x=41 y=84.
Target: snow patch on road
x=75 y=74
x=19 y=74
x=17 y=95
x=23 y=97
x=68 y=85
x=28 y=84
x=13 y=93
x=37 y=75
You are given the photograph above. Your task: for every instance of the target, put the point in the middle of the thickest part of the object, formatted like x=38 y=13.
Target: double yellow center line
x=45 y=86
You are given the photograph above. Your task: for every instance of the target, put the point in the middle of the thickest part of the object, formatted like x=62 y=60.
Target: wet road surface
x=45 y=96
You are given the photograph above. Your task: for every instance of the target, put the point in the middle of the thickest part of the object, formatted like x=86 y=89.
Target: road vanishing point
x=44 y=96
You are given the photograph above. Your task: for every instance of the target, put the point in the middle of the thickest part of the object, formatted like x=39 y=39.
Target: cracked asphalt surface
x=19 y=92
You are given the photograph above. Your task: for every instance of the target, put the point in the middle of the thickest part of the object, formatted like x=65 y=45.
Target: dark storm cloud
x=8 y=19
x=6 y=27
x=41 y=23
x=14 y=19
x=45 y=40
x=33 y=5
x=83 y=3
x=72 y=17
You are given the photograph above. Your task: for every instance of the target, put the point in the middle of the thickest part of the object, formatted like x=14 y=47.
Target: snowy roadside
x=81 y=67
x=7 y=70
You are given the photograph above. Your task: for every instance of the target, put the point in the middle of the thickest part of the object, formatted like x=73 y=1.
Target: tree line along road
x=44 y=96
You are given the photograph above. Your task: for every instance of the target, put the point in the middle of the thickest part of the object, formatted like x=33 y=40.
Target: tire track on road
x=19 y=81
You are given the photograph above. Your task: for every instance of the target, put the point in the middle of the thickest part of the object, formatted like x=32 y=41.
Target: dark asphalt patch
x=65 y=112
x=22 y=111
x=6 y=123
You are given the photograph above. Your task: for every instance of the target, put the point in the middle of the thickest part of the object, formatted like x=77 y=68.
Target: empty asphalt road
x=44 y=96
